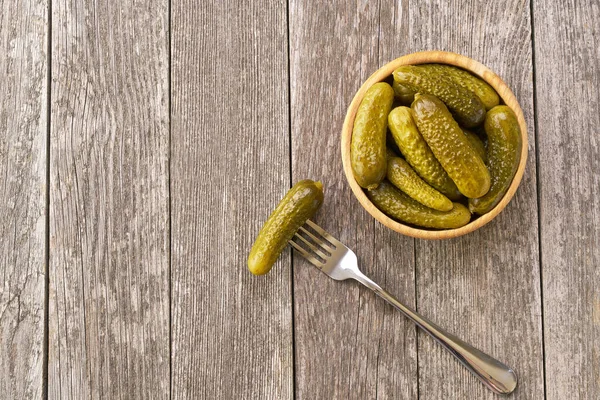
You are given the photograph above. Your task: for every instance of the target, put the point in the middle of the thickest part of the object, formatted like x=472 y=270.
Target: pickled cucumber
x=367 y=147
x=477 y=144
x=300 y=203
x=401 y=207
x=418 y=154
x=450 y=146
x=401 y=175
x=504 y=154
x=403 y=94
x=485 y=92
x=465 y=105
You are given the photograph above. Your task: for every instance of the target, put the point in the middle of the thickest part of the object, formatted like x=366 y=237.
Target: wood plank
x=232 y=332
x=484 y=287
x=109 y=204
x=23 y=167
x=567 y=71
x=349 y=343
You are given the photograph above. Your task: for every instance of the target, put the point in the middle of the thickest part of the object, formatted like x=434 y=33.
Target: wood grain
x=485 y=286
x=109 y=215
x=235 y=147
x=232 y=332
x=567 y=68
x=349 y=344
x=23 y=167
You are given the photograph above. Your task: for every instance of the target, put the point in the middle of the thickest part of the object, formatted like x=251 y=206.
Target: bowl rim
x=439 y=57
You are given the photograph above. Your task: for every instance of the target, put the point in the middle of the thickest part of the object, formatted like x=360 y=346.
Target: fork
x=333 y=258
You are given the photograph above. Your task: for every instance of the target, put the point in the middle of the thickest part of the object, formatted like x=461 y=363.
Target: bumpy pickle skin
x=464 y=104
x=481 y=88
x=300 y=203
x=504 y=154
x=418 y=154
x=401 y=207
x=367 y=147
x=477 y=144
x=450 y=146
x=401 y=175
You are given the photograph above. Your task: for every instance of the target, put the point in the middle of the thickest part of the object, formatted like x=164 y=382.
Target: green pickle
x=477 y=144
x=481 y=88
x=401 y=175
x=300 y=203
x=467 y=107
x=401 y=207
x=367 y=147
x=450 y=146
x=418 y=154
x=403 y=94
x=504 y=154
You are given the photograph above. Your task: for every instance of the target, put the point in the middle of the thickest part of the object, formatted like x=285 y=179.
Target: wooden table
x=142 y=144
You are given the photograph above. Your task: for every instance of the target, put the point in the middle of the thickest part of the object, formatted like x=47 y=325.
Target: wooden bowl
x=439 y=57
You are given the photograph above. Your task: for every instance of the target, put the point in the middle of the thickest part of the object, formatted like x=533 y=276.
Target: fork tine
x=313 y=260
x=326 y=245
x=323 y=233
x=314 y=248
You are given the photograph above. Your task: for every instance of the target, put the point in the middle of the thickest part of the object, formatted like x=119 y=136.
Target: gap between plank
x=416 y=292
x=289 y=101
x=169 y=203
x=46 y=344
x=538 y=188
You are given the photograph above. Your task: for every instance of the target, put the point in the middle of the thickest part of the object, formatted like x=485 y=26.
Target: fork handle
x=494 y=374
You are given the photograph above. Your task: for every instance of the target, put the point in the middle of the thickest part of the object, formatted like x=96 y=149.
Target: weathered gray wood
x=109 y=204
x=567 y=70
x=349 y=343
x=485 y=287
x=232 y=332
x=332 y=47
x=23 y=137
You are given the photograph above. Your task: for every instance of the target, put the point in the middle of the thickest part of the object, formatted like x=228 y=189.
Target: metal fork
x=339 y=262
